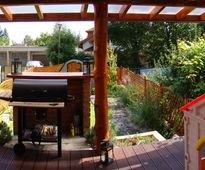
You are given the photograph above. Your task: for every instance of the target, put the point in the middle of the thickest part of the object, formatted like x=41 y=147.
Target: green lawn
x=92 y=115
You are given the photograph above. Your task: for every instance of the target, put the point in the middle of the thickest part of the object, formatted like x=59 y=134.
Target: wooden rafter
x=155 y=11
x=7 y=12
x=183 y=13
x=39 y=11
x=192 y=3
x=84 y=9
x=124 y=10
x=90 y=17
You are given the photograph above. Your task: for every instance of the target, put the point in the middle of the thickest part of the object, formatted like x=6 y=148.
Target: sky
x=18 y=30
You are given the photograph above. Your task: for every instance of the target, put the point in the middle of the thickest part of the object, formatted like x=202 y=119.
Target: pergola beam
x=90 y=17
x=184 y=12
x=84 y=9
x=192 y=3
x=39 y=11
x=155 y=11
x=124 y=10
x=6 y=11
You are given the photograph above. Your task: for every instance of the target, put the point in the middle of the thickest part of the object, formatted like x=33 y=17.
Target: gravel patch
x=122 y=117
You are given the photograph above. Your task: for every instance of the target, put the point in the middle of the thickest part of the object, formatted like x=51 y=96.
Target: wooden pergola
x=127 y=10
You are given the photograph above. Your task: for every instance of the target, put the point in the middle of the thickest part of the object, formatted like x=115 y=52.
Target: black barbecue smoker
x=40 y=95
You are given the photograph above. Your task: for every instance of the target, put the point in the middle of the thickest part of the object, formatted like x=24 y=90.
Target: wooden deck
x=162 y=155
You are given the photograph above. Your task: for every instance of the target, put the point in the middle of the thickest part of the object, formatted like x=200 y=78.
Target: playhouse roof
x=188 y=105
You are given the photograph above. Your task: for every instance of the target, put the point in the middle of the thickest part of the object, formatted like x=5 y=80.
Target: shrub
x=90 y=137
x=5 y=133
x=129 y=96
x=153 y=110
x=186 y=69
x=147 y=111
x=113 y=131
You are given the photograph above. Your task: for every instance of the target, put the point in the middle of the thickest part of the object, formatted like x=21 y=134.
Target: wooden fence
x=174 y=117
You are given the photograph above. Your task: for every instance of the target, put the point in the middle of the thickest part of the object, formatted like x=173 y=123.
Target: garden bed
x=136 y=139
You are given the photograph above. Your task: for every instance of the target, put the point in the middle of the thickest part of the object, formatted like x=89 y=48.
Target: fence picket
x=175 y=116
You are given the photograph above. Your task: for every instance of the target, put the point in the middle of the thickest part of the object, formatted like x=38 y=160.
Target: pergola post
x=100 y=74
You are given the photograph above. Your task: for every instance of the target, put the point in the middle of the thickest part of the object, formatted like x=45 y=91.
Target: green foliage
x=5 y=133
x=92 y=115
x=113 y=131
x=4 y=38
x=81 y=56
x=186 y=69
x=43 y=39
x=135 y=140
x=28 y=41
x=63 y=51
x=148 y=112
x=112 y=63
x=138 y=42
x=90 y=137
x=152 y=111
x=113 y=87
x=129 y=95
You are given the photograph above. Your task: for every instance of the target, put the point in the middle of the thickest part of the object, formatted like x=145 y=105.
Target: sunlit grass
x=92 y=115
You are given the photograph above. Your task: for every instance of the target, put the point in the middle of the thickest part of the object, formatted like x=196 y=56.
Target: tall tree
x=4 y=37
x=43 y=39
x=127 y=37
x=148 y=40
x=62 y=44
x=28 y=41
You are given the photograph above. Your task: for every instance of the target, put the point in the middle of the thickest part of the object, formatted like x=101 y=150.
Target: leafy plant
x=129 y=96
x=186 y=69
x=113 y=87
x=147 y=112
x=90 y=137
x=135 y=140
x=5 y=133
x=63 y=52
x=113 y=131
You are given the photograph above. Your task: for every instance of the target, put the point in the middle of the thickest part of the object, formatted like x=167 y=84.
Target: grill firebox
x=40 y=90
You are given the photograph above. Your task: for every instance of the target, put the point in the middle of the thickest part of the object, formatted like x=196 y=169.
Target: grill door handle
x=39 y=91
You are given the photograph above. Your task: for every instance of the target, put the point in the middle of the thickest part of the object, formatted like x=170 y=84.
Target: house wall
x=3 y=59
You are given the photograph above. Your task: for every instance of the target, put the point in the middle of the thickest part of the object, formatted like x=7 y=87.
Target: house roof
x=193 y=102
x=118 y=10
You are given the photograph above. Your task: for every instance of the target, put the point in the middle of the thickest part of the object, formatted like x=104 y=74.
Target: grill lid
x=40 y=90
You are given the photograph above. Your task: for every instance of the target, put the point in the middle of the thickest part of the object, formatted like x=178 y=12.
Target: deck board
x=6 y=159
x=41 y=161
x=161 y=155
x=87 y=160
x=64 y=161
x=132 y=158
x=121 y=159
x=76 y=163
x=156 y=158
x=167 y=156
x=145 y=160
x=29 y=159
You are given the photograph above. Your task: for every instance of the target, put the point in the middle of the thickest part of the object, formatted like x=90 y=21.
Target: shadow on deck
x=164 y=155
